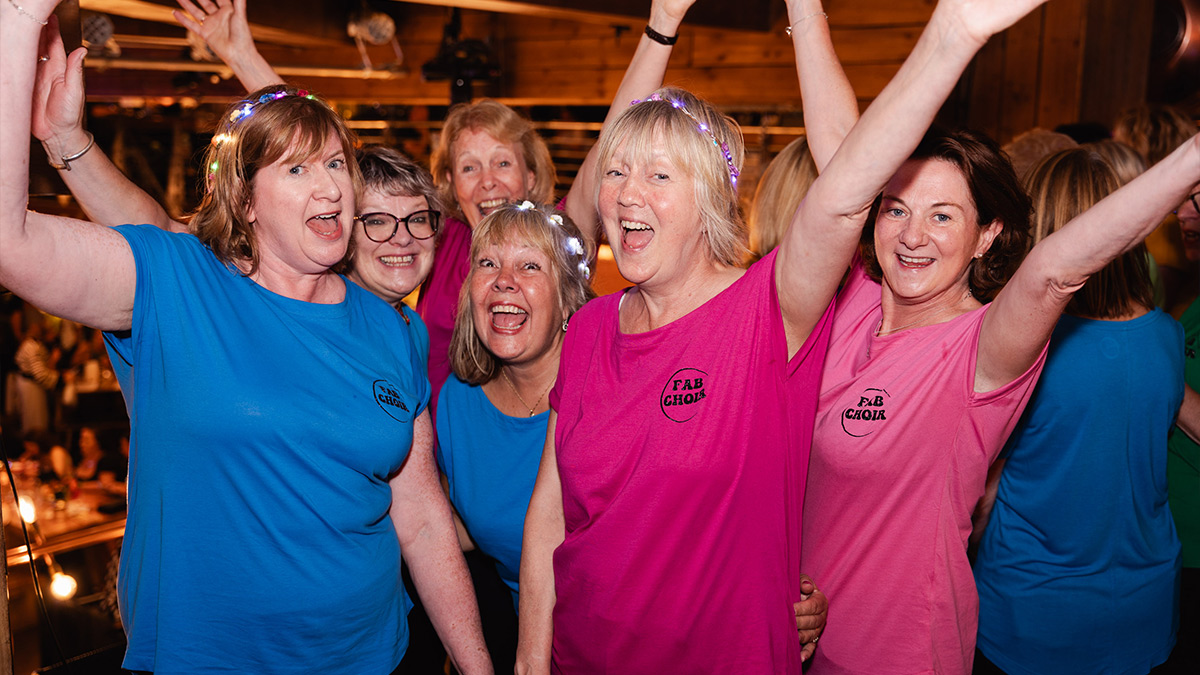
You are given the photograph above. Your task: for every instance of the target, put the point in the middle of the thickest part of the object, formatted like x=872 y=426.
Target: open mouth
x=635 y=235
x=397 y=260
x=508 y=317
x=486 y=207
x=913 y=263
x=326 y=225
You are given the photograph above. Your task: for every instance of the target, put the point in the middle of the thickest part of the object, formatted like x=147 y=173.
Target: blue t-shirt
x=417 y=331
x=264 y=431
x=491 y=462
x=1078 y=566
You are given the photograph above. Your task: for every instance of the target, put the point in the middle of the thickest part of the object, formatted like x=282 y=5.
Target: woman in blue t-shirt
x=280 y=452
x=529 y=273
x=1080 y=528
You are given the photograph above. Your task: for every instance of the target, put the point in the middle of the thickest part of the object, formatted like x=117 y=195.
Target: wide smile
x=635 y=235
x=326 y=225
x=486 y=207
x=507 y=317
x=397 y=260
x=911 y=262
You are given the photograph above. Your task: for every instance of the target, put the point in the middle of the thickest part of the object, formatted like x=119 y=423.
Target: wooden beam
x=150 y=11
x=757 y=15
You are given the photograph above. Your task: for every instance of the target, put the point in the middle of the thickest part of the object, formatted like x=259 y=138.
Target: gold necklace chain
x=519 y=398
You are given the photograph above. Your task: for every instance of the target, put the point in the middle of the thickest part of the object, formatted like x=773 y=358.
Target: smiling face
x=648 y=207
x=927 y=233
x=487 y=173
x=1189 y=224
x=394 y=268
x=514 y=302
x=302 y=211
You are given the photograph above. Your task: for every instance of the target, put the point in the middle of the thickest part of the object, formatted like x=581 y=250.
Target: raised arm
x=425 y=529
x=826 y=228
x=106 y=195
x=644 y=74
x=830 y=107
x=544 y=532
x=72 y=269
x=1023 y=316
x=226 y=30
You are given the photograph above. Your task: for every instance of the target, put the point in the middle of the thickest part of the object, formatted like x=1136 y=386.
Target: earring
x=978 y=256
x=564 y=325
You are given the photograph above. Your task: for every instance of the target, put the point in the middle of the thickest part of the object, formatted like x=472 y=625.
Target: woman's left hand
x=57 y=115
x=811 y=613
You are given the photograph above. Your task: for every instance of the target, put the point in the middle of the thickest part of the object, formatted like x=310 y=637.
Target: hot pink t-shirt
x=438 y=301
x=683 y=453
x=900 y=458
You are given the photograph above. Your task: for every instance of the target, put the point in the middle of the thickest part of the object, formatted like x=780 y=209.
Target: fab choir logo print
x=867 y=414
x=388 y=398
x=684 y=394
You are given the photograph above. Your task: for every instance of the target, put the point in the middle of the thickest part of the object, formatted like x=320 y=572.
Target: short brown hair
x=997 y=196
x=272 y=124
x=544 y=228
x=1065 y=185
x=505 y=125
x=695 y=152
x=778 y=195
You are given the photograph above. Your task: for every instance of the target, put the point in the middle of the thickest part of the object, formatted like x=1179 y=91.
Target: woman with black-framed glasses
x=391 y=252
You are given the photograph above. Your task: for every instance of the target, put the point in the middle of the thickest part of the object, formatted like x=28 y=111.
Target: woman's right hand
x=222 y=24
x=981 y=19
x=58 y=95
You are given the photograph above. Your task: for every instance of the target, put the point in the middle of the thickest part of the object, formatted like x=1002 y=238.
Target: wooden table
x=80 y=524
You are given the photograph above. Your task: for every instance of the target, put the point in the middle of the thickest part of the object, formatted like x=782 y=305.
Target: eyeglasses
x=1195 y=204
x=381 y=227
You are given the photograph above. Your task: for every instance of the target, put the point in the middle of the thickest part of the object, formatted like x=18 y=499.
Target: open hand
x=222 y=24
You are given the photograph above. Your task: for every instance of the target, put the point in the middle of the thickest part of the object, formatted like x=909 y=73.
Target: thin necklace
x=519 y=398
x=881 y=333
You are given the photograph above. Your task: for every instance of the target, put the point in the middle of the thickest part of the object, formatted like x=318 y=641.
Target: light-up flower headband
x=703 y=127
x=572 y=245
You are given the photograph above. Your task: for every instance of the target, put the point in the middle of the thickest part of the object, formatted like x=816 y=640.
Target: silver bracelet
x=67 y=159
x=21 y=10
x=804 y=18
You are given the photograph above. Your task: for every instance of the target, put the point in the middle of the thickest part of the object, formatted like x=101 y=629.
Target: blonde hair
x=779 y=193
x=694 y=151
x=274 y=123
x=555 y=235
x=1124 y=160
x=1065 y=185
x=1028 y=148
x=505 y=125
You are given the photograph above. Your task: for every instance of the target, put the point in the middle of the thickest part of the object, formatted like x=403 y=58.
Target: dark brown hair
x=997 y=196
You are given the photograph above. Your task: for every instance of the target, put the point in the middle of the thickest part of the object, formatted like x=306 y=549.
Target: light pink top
x=683 y=453
x=900 y=457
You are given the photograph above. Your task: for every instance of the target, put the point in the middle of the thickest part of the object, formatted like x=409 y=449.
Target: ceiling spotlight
x=97 y=30
x=376 y=28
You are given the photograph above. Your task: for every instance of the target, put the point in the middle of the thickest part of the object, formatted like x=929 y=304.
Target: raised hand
x=981 y=19
x=222 y=24
x=58 y=95
x=672 y=10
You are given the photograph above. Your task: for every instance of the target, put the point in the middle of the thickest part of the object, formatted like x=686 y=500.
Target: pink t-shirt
x=683 y=453
x=900 y=457
x=438 y=302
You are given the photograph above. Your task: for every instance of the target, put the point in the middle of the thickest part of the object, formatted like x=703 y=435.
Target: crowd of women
x=640 y=467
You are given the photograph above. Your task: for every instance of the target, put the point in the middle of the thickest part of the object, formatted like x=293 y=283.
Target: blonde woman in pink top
x=664 y=530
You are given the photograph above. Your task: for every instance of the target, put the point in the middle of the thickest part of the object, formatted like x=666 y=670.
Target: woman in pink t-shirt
x=664 y=530
x=923 y=383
